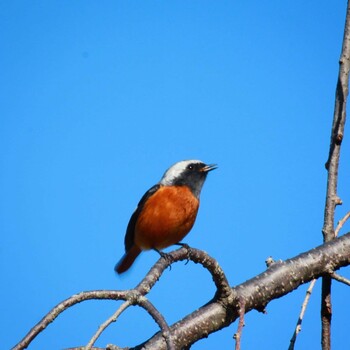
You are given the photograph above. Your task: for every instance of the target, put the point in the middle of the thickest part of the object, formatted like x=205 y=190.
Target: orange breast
x=166 y=218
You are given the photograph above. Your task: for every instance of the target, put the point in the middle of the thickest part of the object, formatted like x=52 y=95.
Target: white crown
x=175 y=171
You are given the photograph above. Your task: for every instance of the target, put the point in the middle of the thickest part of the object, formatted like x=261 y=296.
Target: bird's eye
x=190 y=167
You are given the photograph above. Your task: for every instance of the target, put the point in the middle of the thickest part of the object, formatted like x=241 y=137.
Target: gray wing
x=130 y=231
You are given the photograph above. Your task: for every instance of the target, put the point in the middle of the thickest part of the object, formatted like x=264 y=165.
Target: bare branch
x=187 y=253
x=105 y=324
x=280 y=279
x=340 y=278
x=57 y=310
x=238 y=334
x=341 y=223
x=301 y=316
x=158 y=317
x=332 y=165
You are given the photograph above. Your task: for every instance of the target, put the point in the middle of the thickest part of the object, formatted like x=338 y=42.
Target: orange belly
x=166 y=218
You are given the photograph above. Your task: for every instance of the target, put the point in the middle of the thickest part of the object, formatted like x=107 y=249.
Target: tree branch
x=280 y=279
x=105 y=324
x=57 y=310
x=301 y=315
x=135 y=295
x=332 y=165
x=340 y=278
x=195 y=255
x=341 y=223
x=238 y=335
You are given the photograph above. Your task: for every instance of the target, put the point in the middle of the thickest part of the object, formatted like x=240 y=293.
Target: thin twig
x=64 y=305
x=105 y=324
x=136 y=299
x=159 y=319
x=341 y=224
x=301 y=315
x=241 y=324
x=340 y=278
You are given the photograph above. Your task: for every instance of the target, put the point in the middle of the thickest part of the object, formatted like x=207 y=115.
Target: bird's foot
x=189 y=250
x=185 y=245
x=165 y=256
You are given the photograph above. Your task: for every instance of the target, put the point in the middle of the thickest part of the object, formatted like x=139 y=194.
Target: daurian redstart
x=166 y=212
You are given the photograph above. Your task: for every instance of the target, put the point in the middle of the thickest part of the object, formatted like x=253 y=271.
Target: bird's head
x=191 y=173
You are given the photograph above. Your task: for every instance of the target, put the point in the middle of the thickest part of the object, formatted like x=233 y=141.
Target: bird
x=167 y=211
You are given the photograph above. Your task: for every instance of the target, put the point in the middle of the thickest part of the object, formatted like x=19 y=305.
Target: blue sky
x=99 y=98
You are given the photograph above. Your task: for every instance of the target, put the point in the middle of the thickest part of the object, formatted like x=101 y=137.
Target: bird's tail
x=127 y=259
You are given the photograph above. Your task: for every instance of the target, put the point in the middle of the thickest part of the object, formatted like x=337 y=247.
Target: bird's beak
x=209 y=167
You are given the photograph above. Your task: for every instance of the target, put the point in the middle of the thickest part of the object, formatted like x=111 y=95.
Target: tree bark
x=332 y=165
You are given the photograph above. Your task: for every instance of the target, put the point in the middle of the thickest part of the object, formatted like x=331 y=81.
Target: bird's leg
x=165 y=256
x=185 y=245
x=188 y=248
